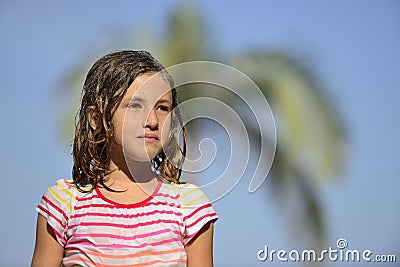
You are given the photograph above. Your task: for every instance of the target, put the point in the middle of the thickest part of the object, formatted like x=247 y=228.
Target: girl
x=125 y=205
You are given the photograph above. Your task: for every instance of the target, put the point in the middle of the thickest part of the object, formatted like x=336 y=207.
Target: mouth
x=149 y=138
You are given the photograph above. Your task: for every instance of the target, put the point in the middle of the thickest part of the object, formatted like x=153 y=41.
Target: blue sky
x=352 y=45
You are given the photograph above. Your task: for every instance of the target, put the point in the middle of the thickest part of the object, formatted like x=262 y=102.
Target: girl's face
x=142 y=120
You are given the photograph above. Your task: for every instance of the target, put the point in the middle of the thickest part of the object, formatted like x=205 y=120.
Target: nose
x=152 y=120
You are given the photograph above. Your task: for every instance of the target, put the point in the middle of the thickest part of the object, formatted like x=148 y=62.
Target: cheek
x=121 y=126
x=165 y=128
x=117 y=129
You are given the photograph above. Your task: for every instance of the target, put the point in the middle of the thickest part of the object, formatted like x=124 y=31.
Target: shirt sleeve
x=197 y=211
x=56 y=206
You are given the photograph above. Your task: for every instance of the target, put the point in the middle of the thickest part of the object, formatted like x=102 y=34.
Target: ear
x=93 y=117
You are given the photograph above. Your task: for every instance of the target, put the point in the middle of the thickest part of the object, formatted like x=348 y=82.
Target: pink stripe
x=196 y=210
x=116 y=207
x=99 y=264
x=128 y=237
x=163 y=203
x=51 y=215
x=48 y=201
x=199 y=219
x=110 y=215
x=188 y=237
x=85 y=198
x=108 y=206
x=169 y=196
x=158 y=243
x=124 y=225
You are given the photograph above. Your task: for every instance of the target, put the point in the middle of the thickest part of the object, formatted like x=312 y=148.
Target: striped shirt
x=96 y=231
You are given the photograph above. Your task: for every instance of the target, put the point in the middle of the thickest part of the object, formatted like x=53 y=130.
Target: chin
x=138 y=152
x=142 y=157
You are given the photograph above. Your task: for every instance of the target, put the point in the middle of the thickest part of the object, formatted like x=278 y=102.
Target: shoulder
x=187 y=194
x=64 y=186
x=181 y=188
x=192 y=196
x=56 y=206
x=196 y=208
x=62 y=194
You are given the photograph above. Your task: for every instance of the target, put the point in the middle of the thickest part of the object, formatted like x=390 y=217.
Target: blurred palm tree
x=311 y=137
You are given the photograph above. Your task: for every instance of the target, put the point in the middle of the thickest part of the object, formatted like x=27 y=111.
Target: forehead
x=149 y=87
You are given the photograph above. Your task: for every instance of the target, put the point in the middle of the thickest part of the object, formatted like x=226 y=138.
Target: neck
x=125 y=173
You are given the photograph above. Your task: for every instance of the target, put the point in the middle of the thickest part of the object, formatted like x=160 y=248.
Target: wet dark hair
x=105 y=85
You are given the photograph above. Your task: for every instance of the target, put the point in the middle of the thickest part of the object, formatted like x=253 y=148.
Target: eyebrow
x=160 y=101
x=135 y=99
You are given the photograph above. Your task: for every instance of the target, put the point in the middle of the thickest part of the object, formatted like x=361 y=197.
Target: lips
x=149 y=138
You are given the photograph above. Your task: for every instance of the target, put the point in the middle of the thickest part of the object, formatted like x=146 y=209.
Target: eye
x=164 y=108
x=134 y=105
